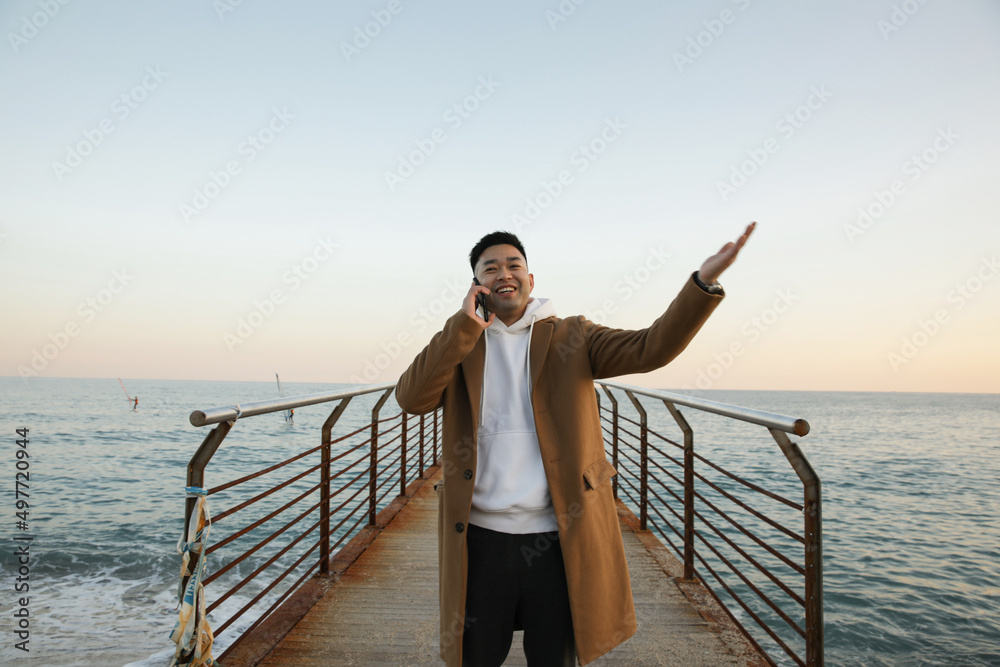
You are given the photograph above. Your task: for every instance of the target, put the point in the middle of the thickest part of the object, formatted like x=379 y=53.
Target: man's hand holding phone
x=477 y=297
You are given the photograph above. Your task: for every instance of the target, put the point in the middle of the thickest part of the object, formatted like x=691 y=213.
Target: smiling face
x=503 y=270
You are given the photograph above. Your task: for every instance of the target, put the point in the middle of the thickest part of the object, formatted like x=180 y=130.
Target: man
x=527 y=529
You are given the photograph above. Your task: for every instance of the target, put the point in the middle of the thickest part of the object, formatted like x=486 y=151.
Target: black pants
x=516 y=582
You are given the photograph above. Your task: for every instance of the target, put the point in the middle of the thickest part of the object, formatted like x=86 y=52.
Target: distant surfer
x=134 y=400
x=289 y=414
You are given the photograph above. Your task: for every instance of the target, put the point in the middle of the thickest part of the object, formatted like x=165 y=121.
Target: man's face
x=503 y=270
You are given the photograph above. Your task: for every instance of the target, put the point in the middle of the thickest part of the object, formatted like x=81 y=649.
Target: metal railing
x=346 y=480
x=747 y=557
x=715 y=521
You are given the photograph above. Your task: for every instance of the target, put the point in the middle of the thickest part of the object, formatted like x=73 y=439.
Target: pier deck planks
x=384 y=610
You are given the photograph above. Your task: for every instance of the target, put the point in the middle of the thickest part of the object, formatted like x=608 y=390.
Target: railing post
x=402 y=462
x=196 y=477
x=326 y=437
x=435 y=437
x=196 y=466
x=814 y=574
x=643 y=462
x=614 y=437
x=688 y=490
x=324 y=497
x=813 y=520
x=421 y=446
x=373 y=472
x=373 y=469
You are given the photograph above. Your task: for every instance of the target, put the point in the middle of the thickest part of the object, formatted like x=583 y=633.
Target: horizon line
x=354 y=384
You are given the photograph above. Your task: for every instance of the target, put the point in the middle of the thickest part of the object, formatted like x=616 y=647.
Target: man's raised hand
x=714 y=266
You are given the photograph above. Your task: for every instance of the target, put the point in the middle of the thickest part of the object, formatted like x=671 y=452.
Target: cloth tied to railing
x=192 y=633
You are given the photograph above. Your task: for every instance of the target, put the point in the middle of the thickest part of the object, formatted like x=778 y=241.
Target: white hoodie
x=511 y=494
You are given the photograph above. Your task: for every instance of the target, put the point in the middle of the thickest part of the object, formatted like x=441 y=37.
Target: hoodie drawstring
x=486 y=359
x=527 y=359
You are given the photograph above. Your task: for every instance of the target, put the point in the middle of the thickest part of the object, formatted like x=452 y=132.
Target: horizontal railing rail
x=731 y=534
x=769 y=420
x=235 y=411
x=287 y=515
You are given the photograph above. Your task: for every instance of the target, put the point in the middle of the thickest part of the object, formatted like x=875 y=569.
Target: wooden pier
x=381 y=609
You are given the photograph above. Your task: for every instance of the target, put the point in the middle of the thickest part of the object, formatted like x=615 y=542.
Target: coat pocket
x=598 y=473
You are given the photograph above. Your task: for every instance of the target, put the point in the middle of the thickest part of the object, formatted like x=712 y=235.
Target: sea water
x=910 y=490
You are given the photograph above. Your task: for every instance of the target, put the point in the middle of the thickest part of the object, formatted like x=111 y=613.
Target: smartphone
x=481 y=301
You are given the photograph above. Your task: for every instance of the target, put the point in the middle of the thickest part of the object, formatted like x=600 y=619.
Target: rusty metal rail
x=287 y=520
x=732 y=535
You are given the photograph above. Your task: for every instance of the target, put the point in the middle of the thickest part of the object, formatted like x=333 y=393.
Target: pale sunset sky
x=224 y=190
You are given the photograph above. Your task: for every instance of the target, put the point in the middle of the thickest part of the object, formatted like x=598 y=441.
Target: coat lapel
x=472 y=369
x=540 y=337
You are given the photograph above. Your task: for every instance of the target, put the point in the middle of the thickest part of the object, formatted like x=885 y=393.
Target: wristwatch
x=714 y=288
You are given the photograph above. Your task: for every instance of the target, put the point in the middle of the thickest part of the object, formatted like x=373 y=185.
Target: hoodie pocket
x=598 y=473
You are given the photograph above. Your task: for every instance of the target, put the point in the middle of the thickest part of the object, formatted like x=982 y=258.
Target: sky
x=225 y=190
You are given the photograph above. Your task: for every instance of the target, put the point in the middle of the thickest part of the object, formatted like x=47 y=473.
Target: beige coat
x=566 y=355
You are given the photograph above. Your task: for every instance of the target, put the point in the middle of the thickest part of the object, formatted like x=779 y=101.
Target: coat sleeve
x=421 y=386
x=616 y=352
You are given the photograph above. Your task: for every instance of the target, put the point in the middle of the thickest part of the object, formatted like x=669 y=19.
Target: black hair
x=492 y=239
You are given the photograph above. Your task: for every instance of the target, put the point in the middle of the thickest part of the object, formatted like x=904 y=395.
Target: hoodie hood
x=538 y=309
